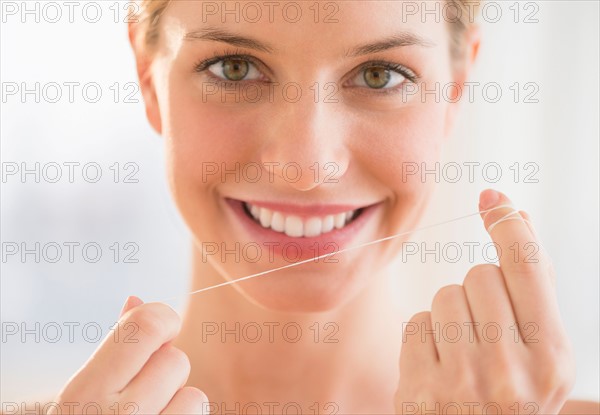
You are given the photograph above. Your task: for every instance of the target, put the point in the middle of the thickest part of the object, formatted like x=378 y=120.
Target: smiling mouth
x=297 y=226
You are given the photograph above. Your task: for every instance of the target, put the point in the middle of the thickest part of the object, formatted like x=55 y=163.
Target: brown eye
x=376 y=76
x=235 y=69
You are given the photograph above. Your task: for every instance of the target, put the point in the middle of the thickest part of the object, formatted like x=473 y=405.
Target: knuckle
x=421 y=317
x=177 y=358
x=149 y=324
x=156 y=320
x=479 y=273
x=448 y=293
x=507 y=387
x=193 y=398
x=466 y=383
x=557 y=373
x=503 y=369
x=500 y=364
x=526 y=267
x=554 y=378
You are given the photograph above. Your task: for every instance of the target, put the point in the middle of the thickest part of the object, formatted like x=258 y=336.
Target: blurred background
x=119 y=233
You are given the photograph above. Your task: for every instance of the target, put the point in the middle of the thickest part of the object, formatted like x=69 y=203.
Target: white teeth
x=296 y=227
x=278 y=222
x=339 y=220
x=265 y=217
x=327 y=224
x=312 y=227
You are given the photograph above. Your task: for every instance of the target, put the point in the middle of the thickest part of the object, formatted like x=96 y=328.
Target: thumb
x=131 y=302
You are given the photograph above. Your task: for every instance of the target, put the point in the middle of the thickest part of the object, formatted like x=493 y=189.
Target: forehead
x=310 y=26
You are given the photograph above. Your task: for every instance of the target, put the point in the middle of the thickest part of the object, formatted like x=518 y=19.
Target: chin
x=319 y=288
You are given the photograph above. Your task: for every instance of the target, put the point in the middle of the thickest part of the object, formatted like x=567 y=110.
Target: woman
x=321 y=98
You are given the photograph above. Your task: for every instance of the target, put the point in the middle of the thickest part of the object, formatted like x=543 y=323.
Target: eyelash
x=407 y=73
x=204 y=64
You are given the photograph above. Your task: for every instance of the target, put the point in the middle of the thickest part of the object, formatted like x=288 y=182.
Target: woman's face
x=321 y=111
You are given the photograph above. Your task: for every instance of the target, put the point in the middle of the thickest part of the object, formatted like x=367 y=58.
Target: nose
x=304 y=143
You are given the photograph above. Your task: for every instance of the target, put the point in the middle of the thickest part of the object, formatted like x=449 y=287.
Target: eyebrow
x=219 y=35
x=395 y=41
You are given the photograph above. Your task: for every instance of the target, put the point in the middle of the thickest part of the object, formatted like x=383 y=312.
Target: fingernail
x=488 y=199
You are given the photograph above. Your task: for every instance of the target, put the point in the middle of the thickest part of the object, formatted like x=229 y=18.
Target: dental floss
x=506 y=217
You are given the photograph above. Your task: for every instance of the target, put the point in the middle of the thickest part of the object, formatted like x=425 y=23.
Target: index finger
x=123 y=353
x=523 y=262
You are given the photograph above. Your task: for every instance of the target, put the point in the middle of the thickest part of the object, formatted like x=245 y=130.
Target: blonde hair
x=149 y=17
x=461 y=17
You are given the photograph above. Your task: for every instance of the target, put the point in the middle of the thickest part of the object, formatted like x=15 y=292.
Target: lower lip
x=295 y=249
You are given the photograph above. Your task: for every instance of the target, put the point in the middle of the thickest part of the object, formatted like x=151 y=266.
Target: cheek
x=205 y=139
x=394 y=149
x=394 y=143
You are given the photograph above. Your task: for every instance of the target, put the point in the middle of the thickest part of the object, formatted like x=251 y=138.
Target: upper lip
x=307 y=210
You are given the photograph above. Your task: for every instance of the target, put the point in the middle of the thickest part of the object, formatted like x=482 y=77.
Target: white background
x=559 y=134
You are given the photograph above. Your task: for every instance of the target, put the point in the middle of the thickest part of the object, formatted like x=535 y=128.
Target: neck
x=242 y=354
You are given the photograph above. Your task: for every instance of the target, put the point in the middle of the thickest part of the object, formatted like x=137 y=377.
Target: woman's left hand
x=495 y=344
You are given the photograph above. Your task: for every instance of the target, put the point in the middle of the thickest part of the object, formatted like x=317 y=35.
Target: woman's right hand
x=135 y=370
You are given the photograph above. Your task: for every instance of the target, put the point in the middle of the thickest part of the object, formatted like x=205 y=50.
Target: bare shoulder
x=37 y=407
x=581 y=408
